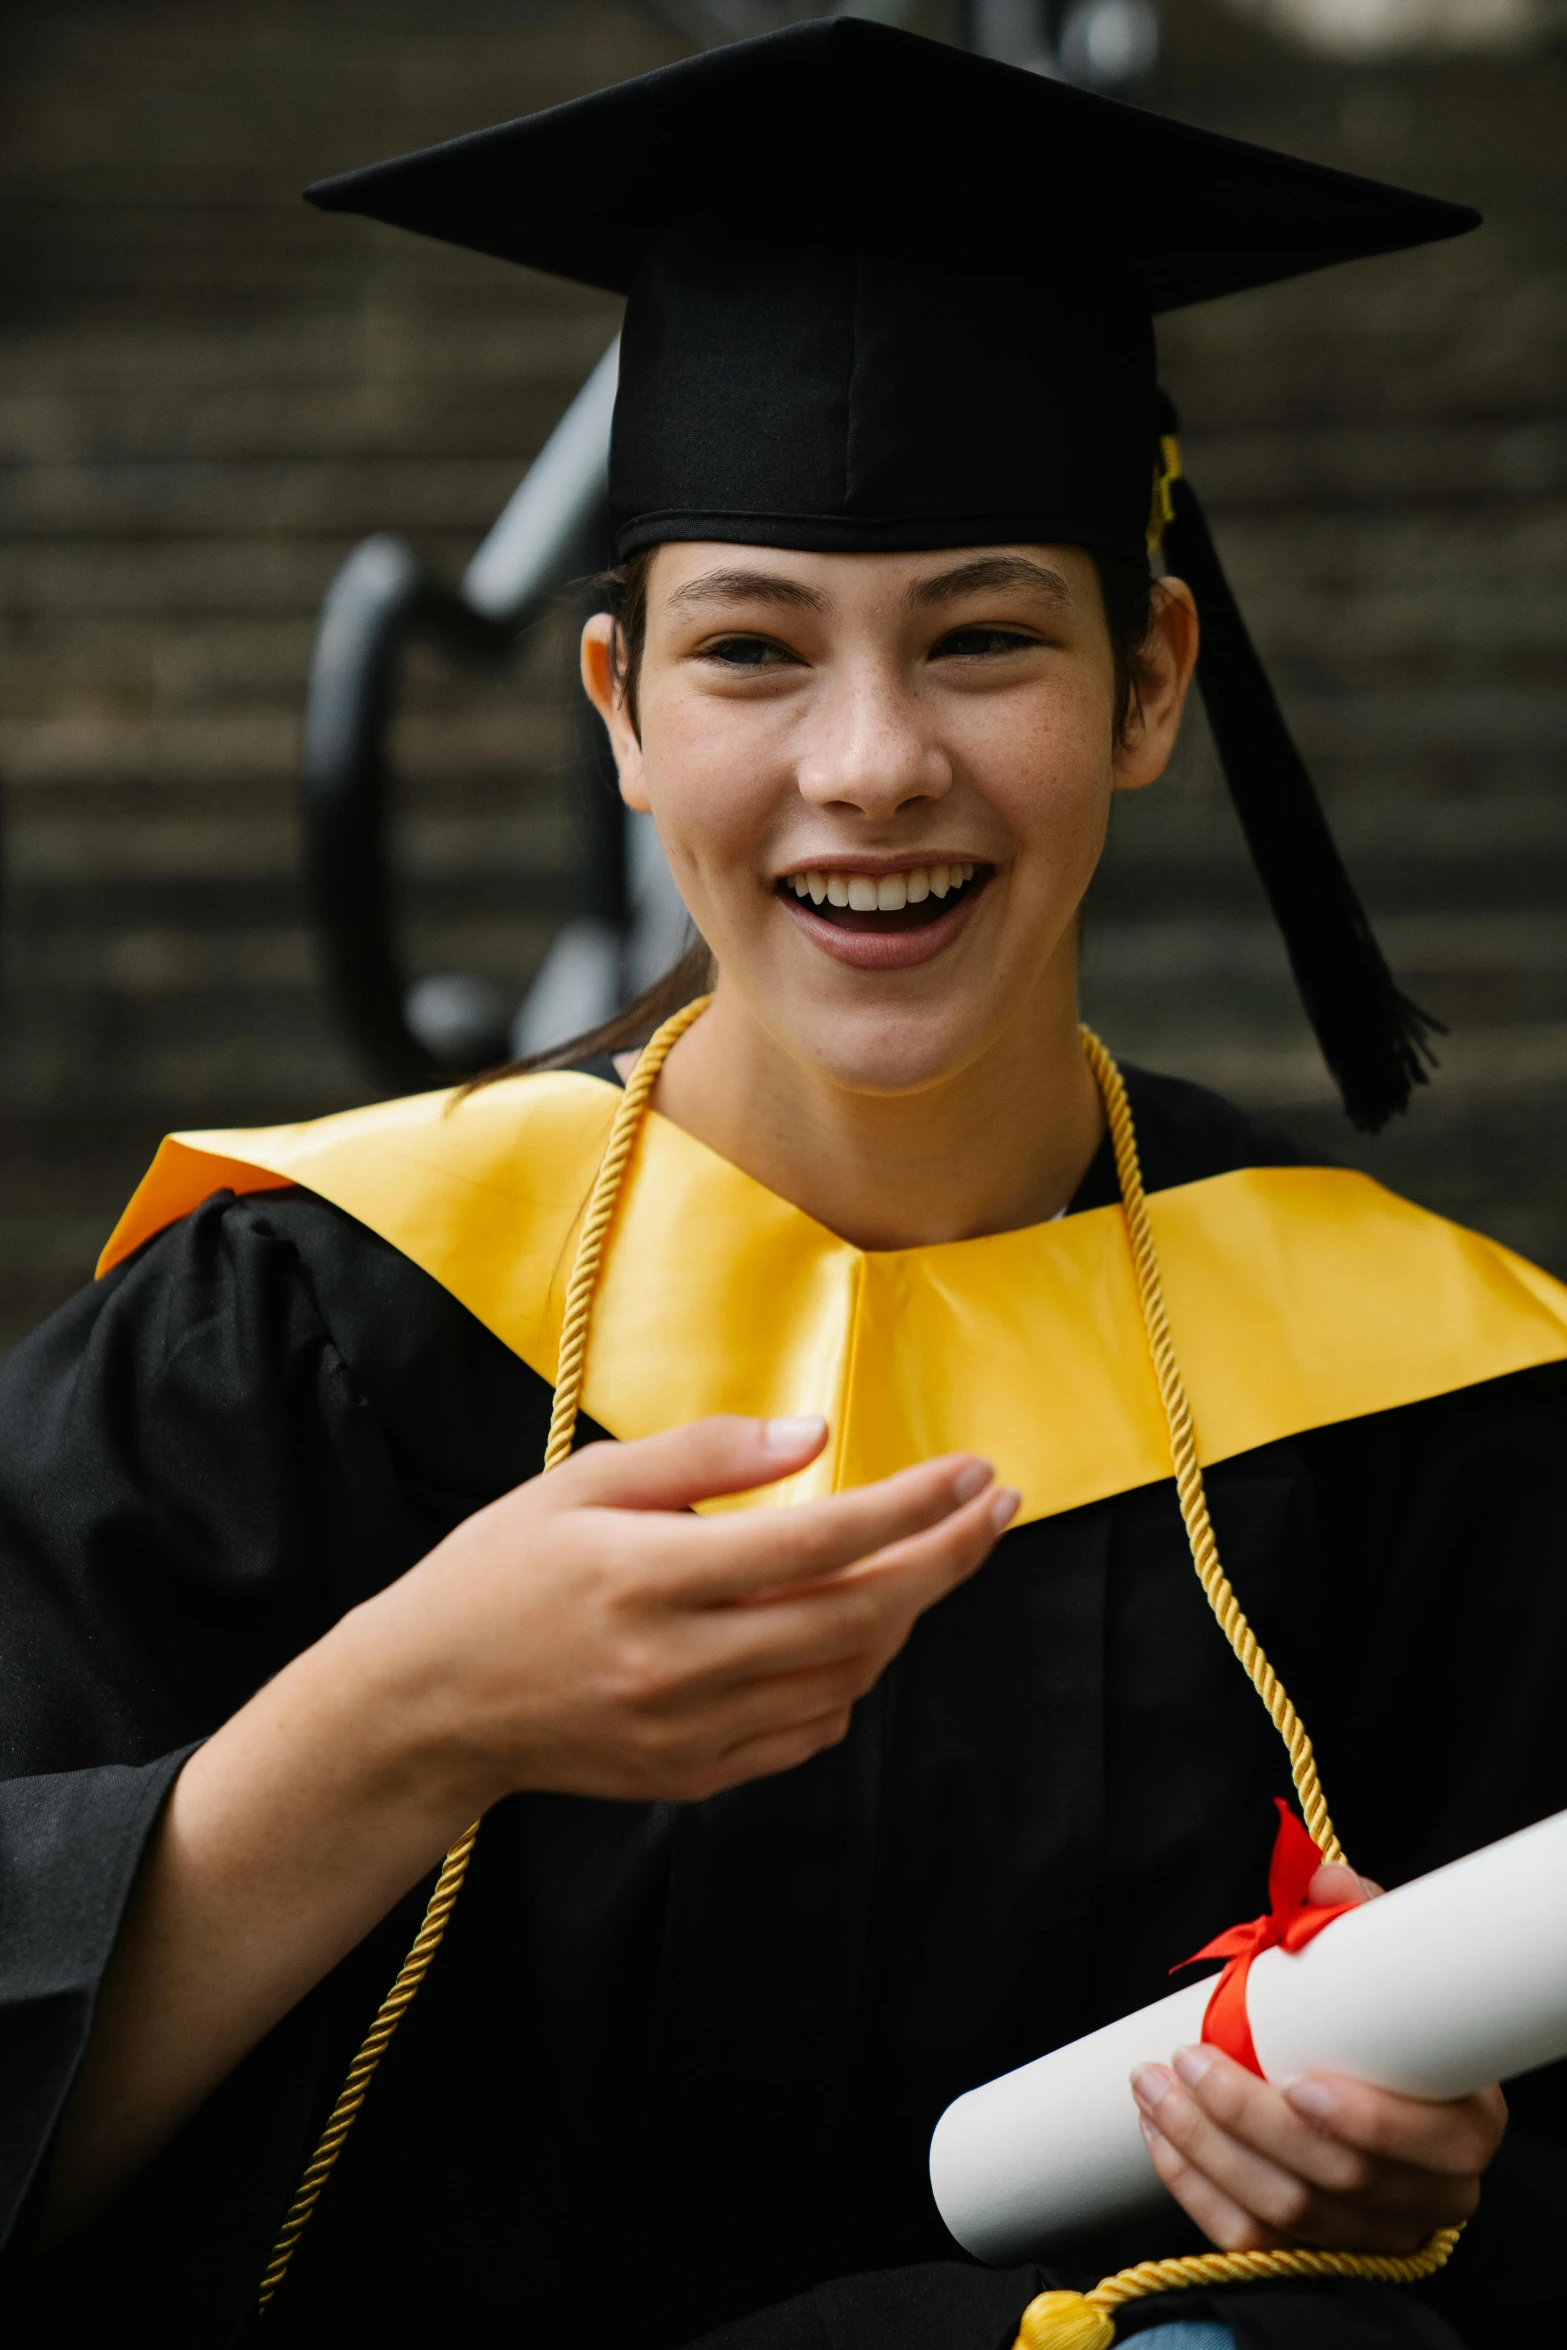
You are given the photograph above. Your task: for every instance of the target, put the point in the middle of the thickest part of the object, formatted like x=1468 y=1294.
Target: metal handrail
x=383 y=599
x=548 y=523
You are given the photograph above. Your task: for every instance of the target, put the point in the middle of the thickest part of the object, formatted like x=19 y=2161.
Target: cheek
x=717 y=782
x=1044 y=763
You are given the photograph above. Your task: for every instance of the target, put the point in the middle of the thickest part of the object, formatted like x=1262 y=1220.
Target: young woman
x=855 y=1726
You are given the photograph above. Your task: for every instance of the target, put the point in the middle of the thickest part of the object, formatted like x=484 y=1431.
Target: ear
x=598 y=683
x=1160 y=682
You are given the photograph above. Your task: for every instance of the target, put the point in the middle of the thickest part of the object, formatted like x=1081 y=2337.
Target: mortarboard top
x=858 y=133
x=883 y=291
x=883 y=294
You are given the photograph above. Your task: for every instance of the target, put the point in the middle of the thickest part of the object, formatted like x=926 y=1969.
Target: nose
x=868 y=747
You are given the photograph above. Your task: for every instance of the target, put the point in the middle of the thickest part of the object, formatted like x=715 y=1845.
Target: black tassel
x=1375 y=1041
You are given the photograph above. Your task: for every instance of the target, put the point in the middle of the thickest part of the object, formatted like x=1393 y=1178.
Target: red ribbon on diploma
x=1289 y=1925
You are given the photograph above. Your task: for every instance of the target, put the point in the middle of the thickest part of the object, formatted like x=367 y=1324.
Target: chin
x=868 y=1053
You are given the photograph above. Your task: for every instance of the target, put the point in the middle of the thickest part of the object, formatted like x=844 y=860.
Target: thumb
x=725 y=1454
x=1336 y=1882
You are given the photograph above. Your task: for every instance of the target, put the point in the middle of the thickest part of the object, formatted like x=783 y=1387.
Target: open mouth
x=882 y=904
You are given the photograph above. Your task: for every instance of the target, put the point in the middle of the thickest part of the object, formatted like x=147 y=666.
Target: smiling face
x=882 y=783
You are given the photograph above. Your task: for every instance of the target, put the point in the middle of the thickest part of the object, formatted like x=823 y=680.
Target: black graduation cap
x=886 y=294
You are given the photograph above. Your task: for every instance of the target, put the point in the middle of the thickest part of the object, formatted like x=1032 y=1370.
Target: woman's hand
x=1320 y=2161
x=587 y=1634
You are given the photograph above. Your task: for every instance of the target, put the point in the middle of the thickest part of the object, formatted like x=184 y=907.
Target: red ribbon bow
x=1289 y=1925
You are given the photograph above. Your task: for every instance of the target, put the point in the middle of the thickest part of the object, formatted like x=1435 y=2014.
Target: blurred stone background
x=209 y=393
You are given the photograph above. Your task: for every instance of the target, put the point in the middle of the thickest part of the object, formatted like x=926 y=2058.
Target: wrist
x=403 y=1730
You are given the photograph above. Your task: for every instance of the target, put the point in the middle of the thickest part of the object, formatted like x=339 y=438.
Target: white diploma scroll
x=1453 y=1981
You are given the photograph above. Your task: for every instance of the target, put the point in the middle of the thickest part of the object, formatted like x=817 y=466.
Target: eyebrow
x=991 y=571
x=751 y=587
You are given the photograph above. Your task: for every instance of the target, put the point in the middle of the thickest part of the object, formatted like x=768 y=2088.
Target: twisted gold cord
x=373 y=2047
x=1056 y=2320
x=597 y=1218
x=1084 y=2321
x=1188 y=1470
x=596 y=1221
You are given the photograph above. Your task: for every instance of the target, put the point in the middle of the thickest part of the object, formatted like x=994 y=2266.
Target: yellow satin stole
x=1297 y=1295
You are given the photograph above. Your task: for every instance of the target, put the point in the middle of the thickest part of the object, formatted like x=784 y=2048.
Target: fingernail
x=794 y=1435
x=1191 y=2064
x=1004 y=1508
x=1312 y=2098
x=1150 y=2082
x=972 y=1478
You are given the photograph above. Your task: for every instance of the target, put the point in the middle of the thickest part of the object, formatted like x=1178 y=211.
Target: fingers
x=1457 y=2137
x=965 y=1515
x=1222 y=2220
x=760 y=1757
x=837 y=1624
x=740 y=1557
x=765 y=1551
x=665 y=1655
x=702 y=1697
x=707 y=1458
x=605 y=1641
x=781 y=1750
x=1252 y=2165
x=684 y=1750
x=840 y=1634
x=736 y=1558
x=1272 y=2181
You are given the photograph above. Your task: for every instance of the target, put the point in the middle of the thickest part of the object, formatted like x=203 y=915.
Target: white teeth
x=887 y=893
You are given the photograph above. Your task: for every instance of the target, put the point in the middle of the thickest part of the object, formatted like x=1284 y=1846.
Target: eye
x=746 y=652
x=979 y=644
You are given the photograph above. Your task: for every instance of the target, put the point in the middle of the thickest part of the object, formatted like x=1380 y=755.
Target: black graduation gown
x=675 y=2064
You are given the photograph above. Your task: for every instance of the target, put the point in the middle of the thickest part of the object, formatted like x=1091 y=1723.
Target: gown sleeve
x=191 y=1490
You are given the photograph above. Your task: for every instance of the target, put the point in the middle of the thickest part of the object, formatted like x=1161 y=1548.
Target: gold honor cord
x=597 y=1218
x=1056 y=2320
x=1188 y=1469
x=1085 y=2321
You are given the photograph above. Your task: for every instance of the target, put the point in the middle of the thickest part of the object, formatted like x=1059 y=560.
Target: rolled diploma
x=1455 y=1980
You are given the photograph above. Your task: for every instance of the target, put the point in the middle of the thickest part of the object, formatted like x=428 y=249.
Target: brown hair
x=1126 y=591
